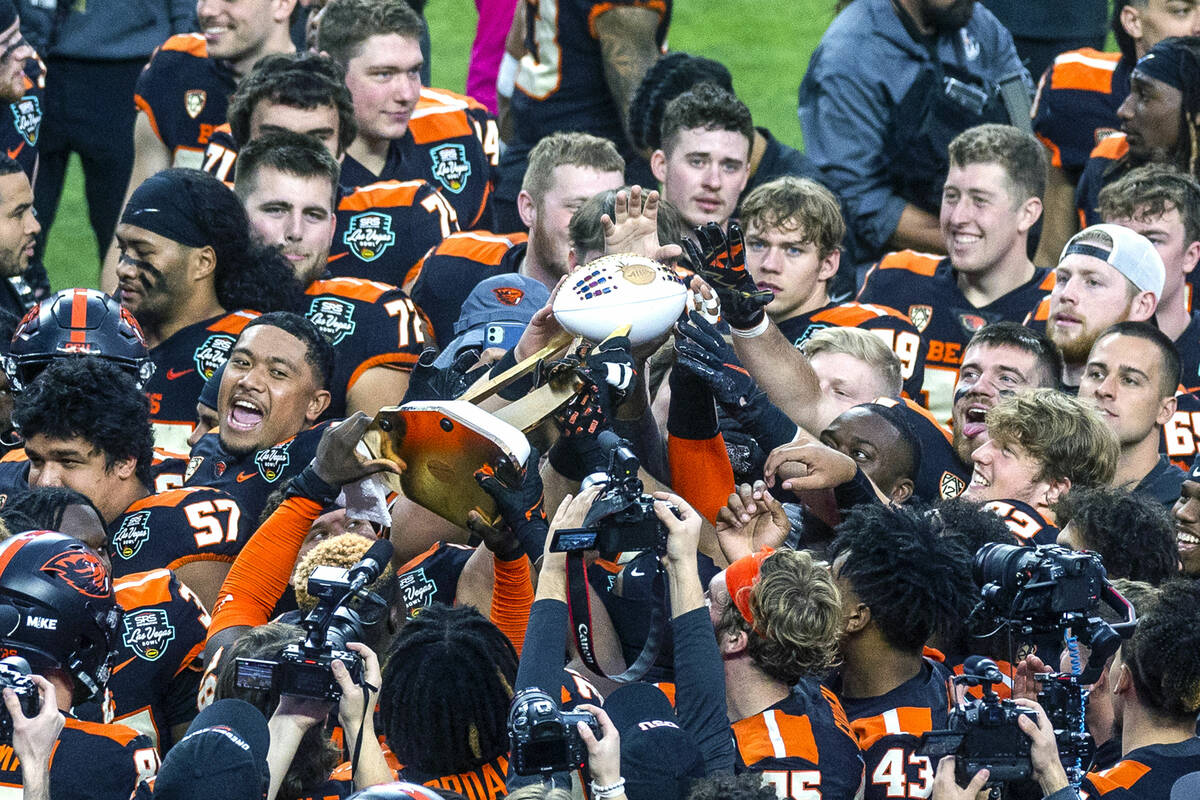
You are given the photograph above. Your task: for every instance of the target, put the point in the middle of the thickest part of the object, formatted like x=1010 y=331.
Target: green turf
x=765 y=45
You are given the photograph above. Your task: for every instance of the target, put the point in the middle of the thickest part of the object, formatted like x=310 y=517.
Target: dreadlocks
x=446 y=691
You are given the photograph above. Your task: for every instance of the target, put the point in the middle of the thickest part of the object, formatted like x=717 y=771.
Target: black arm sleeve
x=700 y=690
x=541 y=666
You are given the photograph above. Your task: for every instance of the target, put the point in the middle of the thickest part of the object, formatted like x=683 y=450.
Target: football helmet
x=77 y=321
x=58 y=610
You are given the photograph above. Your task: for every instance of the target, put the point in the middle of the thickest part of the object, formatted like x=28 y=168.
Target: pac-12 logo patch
x=920 y=316
x=450 y=166
x=951 y=485
x=148 y=632
x=133 y=533
x=273 y=461
x=369 y=235
x=27 y=116
x=417 y=590
x=193 y=101
x=334 y=318
x=212 y=354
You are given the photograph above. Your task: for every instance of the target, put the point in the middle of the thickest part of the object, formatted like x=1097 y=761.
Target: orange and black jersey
x=251 y=478
x=1076 y=104
x=369 y=325
x=1180 y=436
x=560 y=82
x=895 y=329
x=802 y=745
x=925 y=287
x=889 y=731
x=90 y=759
x=485 y=782
x=21 y=126
x=153 y=685
x=182 y=364
x=220 y=154
x=432 y=577
x=385 y=228
x=941 y=476
x=448 y=273
x=173 y=528
x=1154 y=772
x=1106 y=163
x=184 y=95
x=1024 y=521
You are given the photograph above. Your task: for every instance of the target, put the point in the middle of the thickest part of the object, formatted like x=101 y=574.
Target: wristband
x=607 y=792
x=309 y=485
x=506 y=78
x=750 y=333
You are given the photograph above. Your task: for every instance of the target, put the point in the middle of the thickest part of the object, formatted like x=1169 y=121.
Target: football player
x=183 y=93
x=65 y=622
x=565 y=169
x=377 y=42
x=1187 y=523
x=18 y=236
x=1131 y=376
x=1041 y=443
x=192 y=275
x=991 y=199
x=22 y=81
x=793 y=228
x=900 y=582
x=288 y=184
x=1132 y=533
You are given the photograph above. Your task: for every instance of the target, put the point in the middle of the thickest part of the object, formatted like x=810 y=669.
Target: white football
x=614 y=290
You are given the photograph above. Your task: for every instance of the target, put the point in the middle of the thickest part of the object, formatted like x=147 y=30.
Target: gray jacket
x=103 y=30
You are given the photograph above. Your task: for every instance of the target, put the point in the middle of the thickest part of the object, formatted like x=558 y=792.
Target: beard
x=953 y=17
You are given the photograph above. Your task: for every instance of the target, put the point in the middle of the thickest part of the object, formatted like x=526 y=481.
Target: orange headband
x=740 y=578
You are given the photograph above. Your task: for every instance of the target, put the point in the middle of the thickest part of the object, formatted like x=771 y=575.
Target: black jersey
x=895 y=329
x=1154 y=772
x=889 y=731
x=183 y=362
x=432 y=577
x=251 y=478
x=384 y=228
x=925 y=287
x=448 y=273
x=21 y=126
x=1076 y=104
x=91 y=759
x=185 y=95
x=942 y=475
x=1107 y=162
x=802 y=744
x=1024 y=521
x=172 y=528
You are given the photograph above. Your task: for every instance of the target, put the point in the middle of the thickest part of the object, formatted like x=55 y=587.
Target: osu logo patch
x=970 y=322
x=450 y=166
x=508 y=295
x=148 y=632
x=212 y=354
x=920 y=316
x=950 y=486
x=273 y=461
x=193 y=101
x=417 y=590
x=333 y=317
x=133 y=533
x=83 y=571
x=369 y=235
x=27 y=116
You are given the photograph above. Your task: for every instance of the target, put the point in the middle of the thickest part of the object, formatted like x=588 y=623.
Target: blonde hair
x=344 y=550
x=791 y=202
x=860 y=344
x=567 y=148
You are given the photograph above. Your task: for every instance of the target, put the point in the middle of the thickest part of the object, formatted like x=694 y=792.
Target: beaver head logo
x=83 y=571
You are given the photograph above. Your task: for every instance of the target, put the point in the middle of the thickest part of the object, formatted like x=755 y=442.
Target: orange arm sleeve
x=512 y=598
x=701 y=473
x=260 y=575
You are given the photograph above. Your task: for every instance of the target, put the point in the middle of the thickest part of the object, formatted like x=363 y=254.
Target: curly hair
x=446 y=691
x=747 y=786
x=1164 y=654
x=796 y=203
x=344 y=551
x=45 y=507
x=1064 y=435
x=1150 y=191
x=705 y=106
x=905 y=570
x=669 y=77
x=317 y=755
x=1133 y=533
x=95 y=400
x=297 y=80
x=798 y=617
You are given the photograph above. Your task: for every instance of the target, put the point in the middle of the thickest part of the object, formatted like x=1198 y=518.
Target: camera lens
x=1003 y=565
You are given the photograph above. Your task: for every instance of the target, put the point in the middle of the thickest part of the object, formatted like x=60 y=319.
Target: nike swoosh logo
x=17 y=151
x=242 y=477
x=333 y=258
x=636 y=572
x=172 y=374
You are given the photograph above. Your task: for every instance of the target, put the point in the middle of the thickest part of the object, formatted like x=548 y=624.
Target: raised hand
x=720 y=259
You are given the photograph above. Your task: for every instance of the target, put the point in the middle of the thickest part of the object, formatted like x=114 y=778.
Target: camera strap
x=579 y=612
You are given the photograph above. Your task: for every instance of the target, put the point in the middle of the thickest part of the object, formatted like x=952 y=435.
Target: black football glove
x=518 y=496
x=701 y=350
x=610 y=364
x=578 y=452
x=720 y=259
x=428 y=382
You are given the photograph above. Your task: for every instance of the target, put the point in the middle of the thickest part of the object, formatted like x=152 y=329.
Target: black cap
x=224 y=754
x=659 y=759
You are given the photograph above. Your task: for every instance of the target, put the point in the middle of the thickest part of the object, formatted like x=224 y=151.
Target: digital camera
x=542 y=738
x=14 y=674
